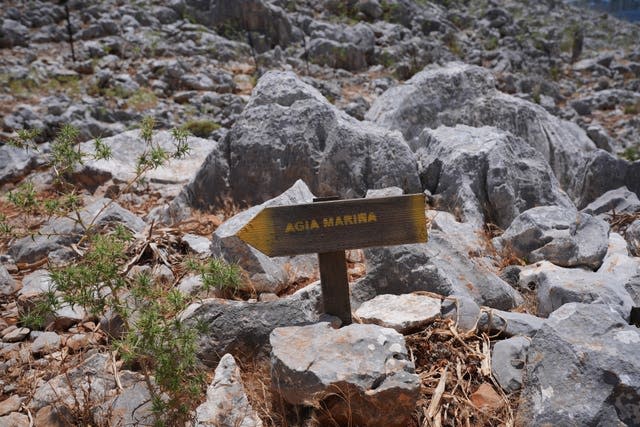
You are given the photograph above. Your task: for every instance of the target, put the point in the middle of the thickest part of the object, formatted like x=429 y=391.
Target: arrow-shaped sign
x=337 y=225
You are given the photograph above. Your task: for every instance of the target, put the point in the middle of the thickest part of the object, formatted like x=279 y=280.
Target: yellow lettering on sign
x=331 y=221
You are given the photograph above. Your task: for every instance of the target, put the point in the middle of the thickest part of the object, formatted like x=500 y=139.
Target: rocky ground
x=520 y=121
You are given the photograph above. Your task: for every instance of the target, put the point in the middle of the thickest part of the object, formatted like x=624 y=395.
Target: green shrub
x=201 y=128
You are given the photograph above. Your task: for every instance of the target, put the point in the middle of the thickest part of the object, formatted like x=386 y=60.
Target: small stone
x=403 y=313
x=47 y=342
x=77 y=342
x=51 y=416
x=16 y=335
x=15 y=419
x=198 y=244
x=487 y=399
x=11 y=404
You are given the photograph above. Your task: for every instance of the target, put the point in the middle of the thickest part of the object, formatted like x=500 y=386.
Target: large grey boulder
x=289 y=131
x=59 y=233
x=13 y=33
x=341 y=46
x=127 y=147
x=507 y=362
x=485 y=174
x=267 y=274
x=465 y=94
x=227 y=403
x=243 y=328
x=556 y=286
x=360 y=374
x=583 y=368
x=562 y=236
x=264 y=18
x=437 y=266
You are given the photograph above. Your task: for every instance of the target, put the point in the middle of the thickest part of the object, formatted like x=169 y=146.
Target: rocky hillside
x=128 y=299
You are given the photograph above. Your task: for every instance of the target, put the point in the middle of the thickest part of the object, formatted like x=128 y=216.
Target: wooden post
x=334 y=281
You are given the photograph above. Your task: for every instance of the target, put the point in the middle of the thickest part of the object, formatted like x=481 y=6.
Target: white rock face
x=227 y=403
x=400 y=312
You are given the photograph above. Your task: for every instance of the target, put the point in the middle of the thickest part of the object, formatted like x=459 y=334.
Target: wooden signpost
x=329 y=227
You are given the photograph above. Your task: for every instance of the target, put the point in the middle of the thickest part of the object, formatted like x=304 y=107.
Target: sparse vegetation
x=201 y=128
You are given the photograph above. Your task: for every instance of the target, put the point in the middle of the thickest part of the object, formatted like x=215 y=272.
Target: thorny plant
x=151 y=338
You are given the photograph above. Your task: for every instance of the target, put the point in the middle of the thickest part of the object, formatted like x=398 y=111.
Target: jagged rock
x=47 y=342
x=465 y=94
x=404 y=313
x=127 y=147
x=16 y=163
x=61 y=232
x=582 y=369
x=600 y=137
x=507 y=362
x=485 y=174
x=633 y=238
x=239 y=327
x=384 y=192
x=262 y=17
x=288 y=131
x=562 y=236
x=132 y=407
x=556 y=286
x=337 y=55
x=227 y=403
x=66 y=388
x=466 y=235
x=13 y=33
x=267 y=274
x=603 y=172
x=509 y=324
x=8 y=286
x=438 y=266
x=620 y=200
x=367 y=364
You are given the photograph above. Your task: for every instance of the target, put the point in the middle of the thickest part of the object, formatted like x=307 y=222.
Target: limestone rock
x=360 y=373
x=47 y=342
x=465 y=94
x=556 y=286
x=438 y=266
x=8 y=286
x=507 y=362
x=239 y=327
x=620 y=200
x=485 y=174
x=562 y=236
x=267 y=274
x=227 y=403
x=582 y=369
x=61 y=232
x=128 y=146
x=633 y=238
x=289 y=131
x=404 y=313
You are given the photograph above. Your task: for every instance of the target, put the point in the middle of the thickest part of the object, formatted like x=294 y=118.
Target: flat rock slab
x=361 y=374
x=403 y=313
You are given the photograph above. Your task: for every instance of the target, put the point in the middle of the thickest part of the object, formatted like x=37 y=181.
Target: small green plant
x=201 y=128
x=218 y=274
x=631 y=153
x=631 y=108
x=491 y=43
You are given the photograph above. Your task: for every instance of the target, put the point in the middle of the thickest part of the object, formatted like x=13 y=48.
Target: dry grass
x=451 y=366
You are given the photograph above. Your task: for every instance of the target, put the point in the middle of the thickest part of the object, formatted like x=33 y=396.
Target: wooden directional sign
x=337 y=225
x=331 y=227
